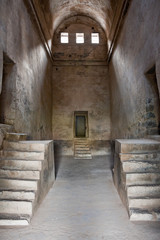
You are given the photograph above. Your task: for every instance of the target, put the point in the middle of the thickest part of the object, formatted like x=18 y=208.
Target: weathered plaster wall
x=30 y=76
x=134 y=101
x=81 y=88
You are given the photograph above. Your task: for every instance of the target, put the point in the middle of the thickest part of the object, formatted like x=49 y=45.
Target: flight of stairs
x=137 y=177
x=82 y=149
x=26 y=174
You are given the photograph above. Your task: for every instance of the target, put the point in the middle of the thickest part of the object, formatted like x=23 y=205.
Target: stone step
x=82 y=152
x=136 y=145
x=141 y=166
x=29 y=146
x=15 y=207
x=17 y=195
x=144 y=215
x=20 y=165
x=13 y=174
x=144 y=191
x=13 y=223
x=140 y=157
x=82 y=155
x=81 y=148
x=16 y=136
x=81 y=143
x=21 y=185
x=142 y=178
x=24 y=155
x=80 y=140
x=144 y=203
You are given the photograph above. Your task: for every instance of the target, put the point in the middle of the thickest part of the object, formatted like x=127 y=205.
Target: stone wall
x=134 y=95
x=81 y=88
x=26 y=81
x=80 y=80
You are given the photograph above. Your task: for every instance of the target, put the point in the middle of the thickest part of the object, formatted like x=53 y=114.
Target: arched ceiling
x=56 y=11
x=49 y=14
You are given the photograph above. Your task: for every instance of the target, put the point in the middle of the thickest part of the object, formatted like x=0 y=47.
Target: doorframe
x=81 y=113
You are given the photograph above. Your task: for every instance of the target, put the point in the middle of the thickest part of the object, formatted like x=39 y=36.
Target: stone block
x=11 y=154
x=20 y=165
x=136 y=145
x=143 y=191
x=23 y=185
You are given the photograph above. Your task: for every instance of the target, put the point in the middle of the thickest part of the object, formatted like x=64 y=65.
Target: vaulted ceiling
x=57 y=11
x=49 y=14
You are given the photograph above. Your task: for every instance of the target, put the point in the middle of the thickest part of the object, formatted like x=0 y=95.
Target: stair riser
x=24 y=155
x=81 y=149
x=148 y=204
x=140 y=167
x=13 y=223
x=82 y=152
x=9 y=184
x=143 y=191
x=137 y=147
x=30 y=175
x=9 y=195
x=16 y=207
x=21 y=165
x=142 y=179
x=25 y=146
x=140 y=157
x=144 y=216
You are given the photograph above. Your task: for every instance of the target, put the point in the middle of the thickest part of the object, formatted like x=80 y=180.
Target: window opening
x=79 y=37
x=95 y=38
x=64 y=37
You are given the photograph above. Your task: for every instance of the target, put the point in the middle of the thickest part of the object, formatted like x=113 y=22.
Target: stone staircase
x=82 y=149
x=137 y=177
x=26 y=175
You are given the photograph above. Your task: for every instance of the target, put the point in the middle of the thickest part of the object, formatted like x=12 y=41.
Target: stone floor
x=83 y=204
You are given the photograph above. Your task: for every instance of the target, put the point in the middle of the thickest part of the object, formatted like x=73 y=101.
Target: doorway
x=81 y=124
x=8 y=91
